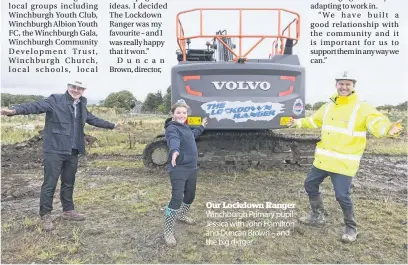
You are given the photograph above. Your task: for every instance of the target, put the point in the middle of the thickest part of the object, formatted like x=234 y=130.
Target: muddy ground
x=124 y=203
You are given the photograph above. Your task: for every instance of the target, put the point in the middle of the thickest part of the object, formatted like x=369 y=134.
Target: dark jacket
x=181 y=138
x=59 y=122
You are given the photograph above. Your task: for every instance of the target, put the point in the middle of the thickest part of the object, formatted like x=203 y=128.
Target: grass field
x=139 y=130
x=124 y=204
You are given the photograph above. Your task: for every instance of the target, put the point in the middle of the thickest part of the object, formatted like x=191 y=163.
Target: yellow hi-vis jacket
x=344 y=121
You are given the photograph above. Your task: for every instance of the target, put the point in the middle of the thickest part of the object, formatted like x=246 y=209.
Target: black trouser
x=54 y=166
x=183 y=184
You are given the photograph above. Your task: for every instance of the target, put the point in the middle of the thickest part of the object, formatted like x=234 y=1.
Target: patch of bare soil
x=387 y=175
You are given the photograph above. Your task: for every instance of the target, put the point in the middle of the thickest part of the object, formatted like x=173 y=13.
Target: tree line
x=154 y=102
x=8 y=100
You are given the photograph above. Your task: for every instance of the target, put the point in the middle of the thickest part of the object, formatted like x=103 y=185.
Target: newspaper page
x=230 y=131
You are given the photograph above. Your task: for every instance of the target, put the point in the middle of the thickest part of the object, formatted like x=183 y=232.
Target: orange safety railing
x=181 y=38
x=279 y=44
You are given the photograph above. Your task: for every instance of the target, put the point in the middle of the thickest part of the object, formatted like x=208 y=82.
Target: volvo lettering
x=242 y=85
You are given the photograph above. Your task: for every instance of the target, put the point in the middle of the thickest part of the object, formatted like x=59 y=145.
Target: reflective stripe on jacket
x=344 y=122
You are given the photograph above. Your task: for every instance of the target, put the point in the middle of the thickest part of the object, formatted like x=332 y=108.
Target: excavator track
x=236 y=151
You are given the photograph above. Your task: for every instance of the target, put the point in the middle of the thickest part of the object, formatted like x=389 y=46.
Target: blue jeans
x=341 y=184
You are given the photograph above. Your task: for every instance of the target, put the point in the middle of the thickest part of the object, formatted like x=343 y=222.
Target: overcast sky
x=381 y=80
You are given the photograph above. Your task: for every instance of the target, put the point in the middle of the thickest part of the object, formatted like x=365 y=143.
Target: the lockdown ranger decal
x=239 y=111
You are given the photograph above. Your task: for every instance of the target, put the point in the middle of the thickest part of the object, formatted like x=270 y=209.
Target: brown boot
x=72 y=216
x=46 y=221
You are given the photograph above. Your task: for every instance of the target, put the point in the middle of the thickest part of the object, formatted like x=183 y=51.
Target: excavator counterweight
x=246 y=100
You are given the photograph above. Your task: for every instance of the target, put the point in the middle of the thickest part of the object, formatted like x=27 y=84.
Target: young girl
x=182 y=168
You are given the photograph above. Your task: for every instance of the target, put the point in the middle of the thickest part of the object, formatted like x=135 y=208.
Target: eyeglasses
x=76 y=88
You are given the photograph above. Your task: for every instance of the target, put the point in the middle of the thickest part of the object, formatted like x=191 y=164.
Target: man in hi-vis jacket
x=66 y=115
x=344 y=123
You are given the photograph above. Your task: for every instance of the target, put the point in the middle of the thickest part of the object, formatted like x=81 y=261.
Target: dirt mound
x=26 y=155
x=29 y=154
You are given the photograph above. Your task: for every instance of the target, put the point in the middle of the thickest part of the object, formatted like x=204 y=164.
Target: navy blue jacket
x=59 y=122
x=181 y=138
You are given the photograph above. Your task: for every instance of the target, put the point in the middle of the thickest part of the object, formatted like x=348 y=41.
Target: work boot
x=316 y=216
x=72 y=216
x=46 y=221
x=350 y=229
x=182 y=214
x=169 y=220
